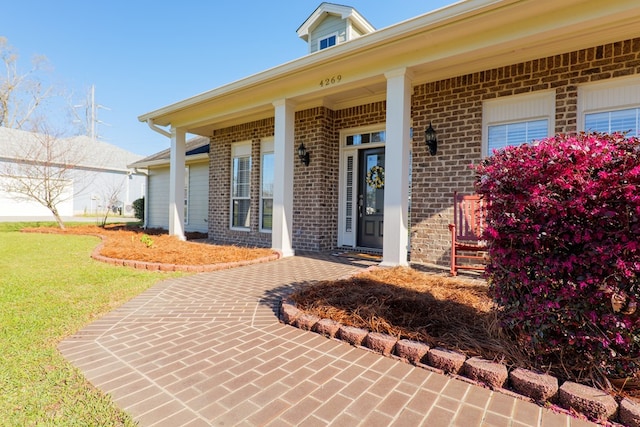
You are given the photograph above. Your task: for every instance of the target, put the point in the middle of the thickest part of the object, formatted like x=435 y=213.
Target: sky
x=142 y=55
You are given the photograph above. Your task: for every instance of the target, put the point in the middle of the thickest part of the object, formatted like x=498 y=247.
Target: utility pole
x=94 y=115
x=91 y=114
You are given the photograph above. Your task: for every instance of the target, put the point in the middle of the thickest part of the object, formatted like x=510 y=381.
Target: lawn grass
x=49 y=289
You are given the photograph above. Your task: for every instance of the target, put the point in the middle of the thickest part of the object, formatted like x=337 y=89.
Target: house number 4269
x=330 y=81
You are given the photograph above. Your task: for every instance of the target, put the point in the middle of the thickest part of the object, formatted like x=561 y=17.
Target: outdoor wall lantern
x=431 y=140
x=303 y=155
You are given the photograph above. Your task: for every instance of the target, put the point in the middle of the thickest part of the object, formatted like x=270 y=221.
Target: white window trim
x=518 y=108
x=328 y=36
x=239 y=150
x=266 y=147
x=349 y=239
x=611 y=95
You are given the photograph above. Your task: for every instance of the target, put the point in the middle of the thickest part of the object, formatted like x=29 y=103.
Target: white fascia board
x=196 y=158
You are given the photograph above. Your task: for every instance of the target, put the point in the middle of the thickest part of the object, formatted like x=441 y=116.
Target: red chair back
x=469 y=216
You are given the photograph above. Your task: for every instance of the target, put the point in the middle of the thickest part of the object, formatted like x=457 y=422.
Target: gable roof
x=344 y=12
x=463 y=38
x=197 y=147
x=85 y=152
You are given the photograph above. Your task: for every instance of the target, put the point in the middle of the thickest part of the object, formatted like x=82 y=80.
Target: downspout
x=145 y=221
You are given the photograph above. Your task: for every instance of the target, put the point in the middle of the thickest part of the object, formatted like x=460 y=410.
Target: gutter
x=158 y=129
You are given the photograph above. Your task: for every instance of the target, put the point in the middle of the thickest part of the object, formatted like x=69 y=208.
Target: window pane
x=624 y=121
x=597 y=122
x=328 y=42
x=267 y=214
x=497 y=137
x=613 y=121
x=267 y=191
x=379 y=136
x=501 y=136
x=240 y=214
x=267 y=175
x=241 y=176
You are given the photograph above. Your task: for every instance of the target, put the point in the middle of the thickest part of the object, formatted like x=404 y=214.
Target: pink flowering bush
x=563 y=225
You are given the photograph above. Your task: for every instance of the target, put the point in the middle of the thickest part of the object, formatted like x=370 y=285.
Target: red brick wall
x=454 y=106
x=220 y=183
x=315 y=187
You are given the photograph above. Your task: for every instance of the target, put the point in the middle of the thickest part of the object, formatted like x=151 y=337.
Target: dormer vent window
x=327 y=42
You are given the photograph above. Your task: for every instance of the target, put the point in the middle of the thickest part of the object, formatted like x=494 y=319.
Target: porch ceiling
x=463 y=38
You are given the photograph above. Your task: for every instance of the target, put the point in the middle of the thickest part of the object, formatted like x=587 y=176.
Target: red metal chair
x=466 y=233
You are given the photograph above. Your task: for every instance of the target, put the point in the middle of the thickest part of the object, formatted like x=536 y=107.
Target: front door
x=371 y=198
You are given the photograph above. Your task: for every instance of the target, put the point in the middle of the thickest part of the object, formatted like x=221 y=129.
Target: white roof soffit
x=466 y=37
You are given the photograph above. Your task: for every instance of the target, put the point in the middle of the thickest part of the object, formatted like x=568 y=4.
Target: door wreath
x=375 y=177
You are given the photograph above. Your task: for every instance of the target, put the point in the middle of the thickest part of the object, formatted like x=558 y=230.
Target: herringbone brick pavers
x=208 y=349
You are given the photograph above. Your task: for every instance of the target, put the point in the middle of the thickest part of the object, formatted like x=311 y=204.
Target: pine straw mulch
x=441 y=311
x=151 y=245
x=454 y=313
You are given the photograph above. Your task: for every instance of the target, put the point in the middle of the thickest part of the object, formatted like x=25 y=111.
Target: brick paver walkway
x=208 y=349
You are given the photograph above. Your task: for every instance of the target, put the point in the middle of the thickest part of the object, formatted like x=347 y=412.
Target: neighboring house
x=99 y=172
x=196 y=190
x=482 y=73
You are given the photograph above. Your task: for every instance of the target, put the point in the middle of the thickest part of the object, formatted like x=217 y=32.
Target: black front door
x=371 y=198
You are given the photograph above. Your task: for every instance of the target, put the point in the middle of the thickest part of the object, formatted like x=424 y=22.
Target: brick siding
x=453 y=106
x=220 y=183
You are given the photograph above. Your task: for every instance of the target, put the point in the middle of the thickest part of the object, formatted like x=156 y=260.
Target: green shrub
x=138 y=208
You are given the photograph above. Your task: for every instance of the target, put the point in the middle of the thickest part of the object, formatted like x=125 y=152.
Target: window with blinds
x=517 y=119
x=241 y=186
x=626 y=121
x=501 y=136
x=266 y=187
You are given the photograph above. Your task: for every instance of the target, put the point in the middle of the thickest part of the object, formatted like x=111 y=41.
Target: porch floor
x=208 y=349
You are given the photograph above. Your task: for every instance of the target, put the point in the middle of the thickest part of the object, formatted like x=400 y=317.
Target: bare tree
x=42 y=169
x=111 y=197
x=20 y=93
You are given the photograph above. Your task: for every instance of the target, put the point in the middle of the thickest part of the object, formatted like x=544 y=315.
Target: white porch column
x=176 y=183
x=283 y=148
x=396 y=186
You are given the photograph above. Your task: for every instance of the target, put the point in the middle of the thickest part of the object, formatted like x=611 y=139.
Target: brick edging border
x=159 y=266
x=569 y=398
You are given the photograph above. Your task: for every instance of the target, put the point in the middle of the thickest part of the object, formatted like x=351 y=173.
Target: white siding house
x=99 y=172
x=196 y=201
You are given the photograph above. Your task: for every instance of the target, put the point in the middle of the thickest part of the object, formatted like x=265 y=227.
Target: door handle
x=360 y=203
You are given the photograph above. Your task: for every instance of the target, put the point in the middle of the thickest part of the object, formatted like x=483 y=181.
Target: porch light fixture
x=303 y=155
x=431 y=140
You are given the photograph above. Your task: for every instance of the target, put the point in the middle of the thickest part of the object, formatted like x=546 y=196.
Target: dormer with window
x=331 y=24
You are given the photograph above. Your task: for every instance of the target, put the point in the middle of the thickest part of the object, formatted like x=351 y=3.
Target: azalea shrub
x=563 y=226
